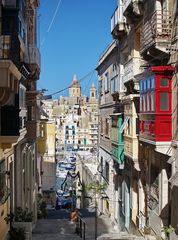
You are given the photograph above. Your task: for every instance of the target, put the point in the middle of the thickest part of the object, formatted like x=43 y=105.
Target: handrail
x=81 y=228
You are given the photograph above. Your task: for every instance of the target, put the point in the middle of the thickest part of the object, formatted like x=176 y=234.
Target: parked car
x=65 y=201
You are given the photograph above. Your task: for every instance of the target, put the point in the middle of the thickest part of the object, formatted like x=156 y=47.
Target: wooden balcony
x=118 y=23
x=156 y=32
x=131 y=68
x=131 y=149
x=9 y=82
x=32 y=56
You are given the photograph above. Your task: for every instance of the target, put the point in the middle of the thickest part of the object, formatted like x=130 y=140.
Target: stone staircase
x=54 y=229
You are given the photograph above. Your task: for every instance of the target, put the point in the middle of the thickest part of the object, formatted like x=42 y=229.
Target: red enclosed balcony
x=156 y=105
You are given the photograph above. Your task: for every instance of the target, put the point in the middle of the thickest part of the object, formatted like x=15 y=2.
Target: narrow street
x=57 y=226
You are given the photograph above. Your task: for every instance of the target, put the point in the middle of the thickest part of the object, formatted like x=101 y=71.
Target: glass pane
x=141 y=103
x=144 y=85
x=152 y=101
x=148 y=102
x=152 y=82
x=148 y=83
x=163 y=82
x=164 y=106
x=141 y=86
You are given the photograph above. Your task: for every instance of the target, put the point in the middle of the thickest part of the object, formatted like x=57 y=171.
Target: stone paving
x=58 y=227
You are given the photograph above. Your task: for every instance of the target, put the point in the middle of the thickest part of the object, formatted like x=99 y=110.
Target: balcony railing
x=117 y=18
x=131 y=68
x=33 y=56
x=156 y=29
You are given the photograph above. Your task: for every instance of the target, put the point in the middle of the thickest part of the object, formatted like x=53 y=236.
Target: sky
x=72 y=35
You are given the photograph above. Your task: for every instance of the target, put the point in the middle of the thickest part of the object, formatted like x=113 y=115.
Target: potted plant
x=23 y=219
x=41 y=205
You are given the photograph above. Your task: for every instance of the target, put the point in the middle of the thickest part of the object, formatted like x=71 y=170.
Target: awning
x=126 y=119
x=115 y=114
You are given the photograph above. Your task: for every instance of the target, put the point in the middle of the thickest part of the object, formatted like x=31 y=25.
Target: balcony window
x=144 y=104
x=141 y=102
x=100 y=87
x=152 y=82
x=148 y=101
x=164 y=82
x=22 y=92
x=107 y=127
x=148 y=83
x=141 y=86
x=152 y=101
x=164 y=101
x=106 y=83
x=144 y=86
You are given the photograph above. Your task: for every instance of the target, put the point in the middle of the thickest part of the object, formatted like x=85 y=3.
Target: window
x=164 y=101
x=106 y=85
x=144 y=85
x=114 y=72
x=152 y=101
x=107 y=171
x=152 y=82
x=22 y=92
x=137 y=126
x=129 y=127
x=148 y=83
x=100 y=87
x=144 y=103
x=2 y=179
x=113 y=85
x=141 y=102
x=148 y=101
x=163 y=82
x=141 y=86
x=107 y=127
x=101 y=128
x=92 y=94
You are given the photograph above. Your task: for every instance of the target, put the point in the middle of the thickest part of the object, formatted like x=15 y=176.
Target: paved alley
x=58 y=227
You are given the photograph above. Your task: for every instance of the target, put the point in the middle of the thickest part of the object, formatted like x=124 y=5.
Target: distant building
x=76 y=118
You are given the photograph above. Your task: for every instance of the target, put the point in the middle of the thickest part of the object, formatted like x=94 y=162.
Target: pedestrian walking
x=74 y=218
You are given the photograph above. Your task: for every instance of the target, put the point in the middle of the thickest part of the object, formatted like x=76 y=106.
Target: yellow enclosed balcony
x=156 y=32
x=118 y=23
